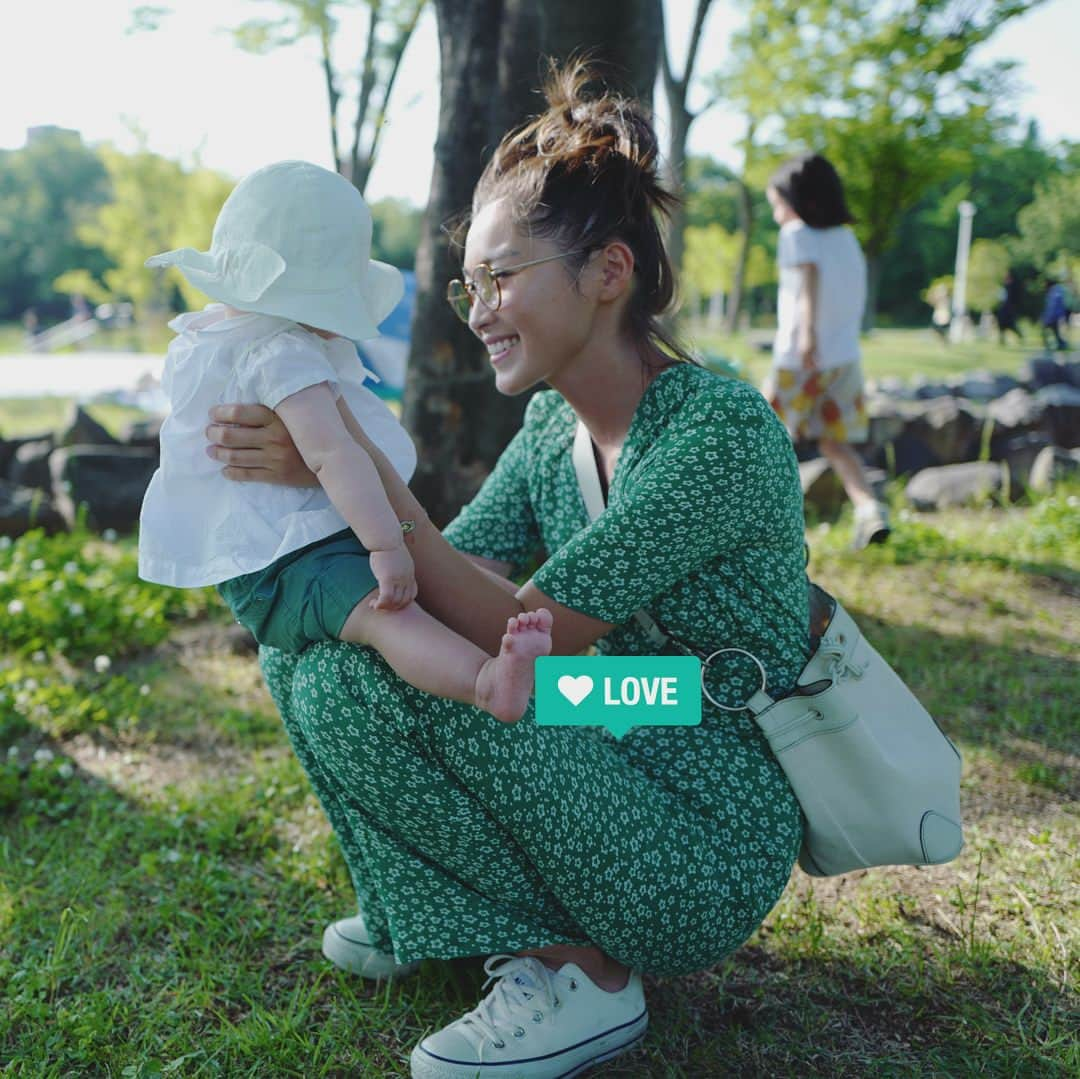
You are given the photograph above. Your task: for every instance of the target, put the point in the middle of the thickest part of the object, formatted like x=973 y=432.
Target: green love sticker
x=618 y=692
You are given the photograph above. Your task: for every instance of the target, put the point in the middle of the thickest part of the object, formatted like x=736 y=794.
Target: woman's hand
x=255 y=446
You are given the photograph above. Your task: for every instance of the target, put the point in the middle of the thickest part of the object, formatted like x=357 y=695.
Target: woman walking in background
x=816 y=382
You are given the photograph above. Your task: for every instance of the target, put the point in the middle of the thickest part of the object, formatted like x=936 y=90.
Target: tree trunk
x=746 y=225
x=490 y=53
x=873 y=285
x=680 y=120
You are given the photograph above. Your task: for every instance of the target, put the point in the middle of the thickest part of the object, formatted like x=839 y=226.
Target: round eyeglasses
x=485 y=287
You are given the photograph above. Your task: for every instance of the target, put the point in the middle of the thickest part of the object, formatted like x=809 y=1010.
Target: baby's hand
x=393 y=570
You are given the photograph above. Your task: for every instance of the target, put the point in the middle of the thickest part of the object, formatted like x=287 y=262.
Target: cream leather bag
x=878 y=781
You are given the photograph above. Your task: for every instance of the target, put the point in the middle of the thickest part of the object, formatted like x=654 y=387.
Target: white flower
x=16 y=606
x=5 y=542
x=172 y=856
x=76 y=610
x=43 y=756
x=37 y=565
x=102 y=664
x=71 y=567
x=3 y=577
x=13 y=752
x=109 y=535
x=39 y=656
x=65 y=771
x=58 y=585
x=144 y=690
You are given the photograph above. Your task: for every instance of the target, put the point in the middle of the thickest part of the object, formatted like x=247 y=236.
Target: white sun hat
x=294 y=240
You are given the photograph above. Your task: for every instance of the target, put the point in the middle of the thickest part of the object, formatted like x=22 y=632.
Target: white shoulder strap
x=592 y=495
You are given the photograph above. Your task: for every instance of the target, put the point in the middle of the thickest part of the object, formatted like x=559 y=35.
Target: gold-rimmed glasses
x=485 y=287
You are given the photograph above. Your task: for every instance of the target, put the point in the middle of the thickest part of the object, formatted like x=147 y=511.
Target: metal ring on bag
x=704 y=670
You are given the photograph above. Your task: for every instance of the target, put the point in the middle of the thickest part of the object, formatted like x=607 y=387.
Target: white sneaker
x=535 y=1024
x=871 y=525
x=347 y=944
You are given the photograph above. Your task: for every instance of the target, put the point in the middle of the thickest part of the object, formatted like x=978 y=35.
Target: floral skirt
x=819 y=404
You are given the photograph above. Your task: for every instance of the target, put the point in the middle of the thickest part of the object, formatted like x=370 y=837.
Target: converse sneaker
x=535 y=1024
x=871 y=524
x=347 y=944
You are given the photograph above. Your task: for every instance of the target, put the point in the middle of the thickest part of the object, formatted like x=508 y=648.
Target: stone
x=22 y=509
x=145 y=433
x=1016 y=411
x=950 y=429
x=821 y=486
x=109 y=480
x=984 y=385
x=929 y=391
x=9 y=447
x=1051 y=466
x=31 y=465
x=1061 y=418
x=81 y=429
x=957 y=484
x=1040 y=371
x=1020 y=453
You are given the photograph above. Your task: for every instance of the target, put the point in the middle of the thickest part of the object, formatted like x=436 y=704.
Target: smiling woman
x=580 y=859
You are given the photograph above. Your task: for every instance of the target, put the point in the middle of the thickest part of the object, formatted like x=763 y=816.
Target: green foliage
x=396 y=232
x=987 y=266
x=77 y=596
x=156 y=205
x=47 y=189
x=1049 y=226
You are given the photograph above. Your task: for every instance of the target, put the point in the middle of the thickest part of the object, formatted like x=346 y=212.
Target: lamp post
x=963 y=249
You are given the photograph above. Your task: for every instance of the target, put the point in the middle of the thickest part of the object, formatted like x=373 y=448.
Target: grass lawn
x=166 y=872
x=903 y=353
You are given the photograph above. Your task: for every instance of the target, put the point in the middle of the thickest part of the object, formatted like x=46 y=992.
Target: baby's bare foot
x=505 y=683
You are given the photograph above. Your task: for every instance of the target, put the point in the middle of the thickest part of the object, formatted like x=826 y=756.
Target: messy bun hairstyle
x=583 y=174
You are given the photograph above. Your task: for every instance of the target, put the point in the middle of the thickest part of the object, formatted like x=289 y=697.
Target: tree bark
x=873 y=285
x=491 y=66
x=746 y=225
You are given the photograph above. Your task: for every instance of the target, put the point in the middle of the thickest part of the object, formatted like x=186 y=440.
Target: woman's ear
x=613 y=270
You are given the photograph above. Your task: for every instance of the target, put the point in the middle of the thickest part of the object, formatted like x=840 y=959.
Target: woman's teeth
x=498 y=348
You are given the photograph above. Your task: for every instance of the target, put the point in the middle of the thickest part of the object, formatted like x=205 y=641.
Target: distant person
x=1055 y=315
x=298 y=566
x=816 y=381
x=941 y=315
x=30 y=329
x=1008 y=305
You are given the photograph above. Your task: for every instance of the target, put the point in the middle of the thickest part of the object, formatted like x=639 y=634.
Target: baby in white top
x=290 y=264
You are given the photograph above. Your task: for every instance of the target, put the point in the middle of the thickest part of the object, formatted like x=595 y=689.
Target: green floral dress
x=666 y=849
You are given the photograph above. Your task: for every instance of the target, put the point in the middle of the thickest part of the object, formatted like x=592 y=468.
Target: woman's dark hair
x=811 y=187
x=583 y=174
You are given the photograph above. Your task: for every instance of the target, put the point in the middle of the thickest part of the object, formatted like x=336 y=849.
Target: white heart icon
x=575 y=690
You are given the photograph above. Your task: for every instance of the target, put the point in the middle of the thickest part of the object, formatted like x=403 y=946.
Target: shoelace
x=502 y=1009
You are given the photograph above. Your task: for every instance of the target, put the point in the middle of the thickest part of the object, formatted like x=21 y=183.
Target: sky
x=196 y=96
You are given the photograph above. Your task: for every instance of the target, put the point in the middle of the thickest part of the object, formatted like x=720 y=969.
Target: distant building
x=48 y=131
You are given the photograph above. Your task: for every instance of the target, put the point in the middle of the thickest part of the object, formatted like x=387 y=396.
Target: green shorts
x=305 y=596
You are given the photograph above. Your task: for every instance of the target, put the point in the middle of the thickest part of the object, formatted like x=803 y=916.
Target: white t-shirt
x=841 y=293
x=198 y=528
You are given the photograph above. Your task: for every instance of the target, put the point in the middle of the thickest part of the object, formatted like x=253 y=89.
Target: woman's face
x=782 y=212
x=544 y=321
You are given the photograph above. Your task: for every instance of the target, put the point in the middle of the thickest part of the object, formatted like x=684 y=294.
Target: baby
x=290 y=266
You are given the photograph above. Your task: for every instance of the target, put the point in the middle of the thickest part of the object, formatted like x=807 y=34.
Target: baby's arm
x=348 y=475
